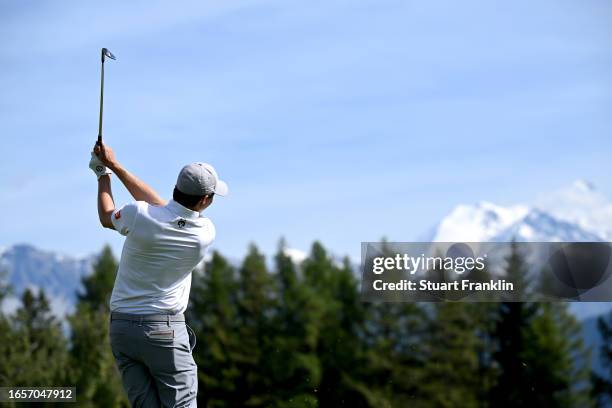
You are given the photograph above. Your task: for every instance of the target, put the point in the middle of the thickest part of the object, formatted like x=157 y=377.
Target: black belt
x=148 y=318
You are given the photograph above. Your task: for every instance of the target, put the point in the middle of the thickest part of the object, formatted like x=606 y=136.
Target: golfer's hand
x=106 y=155
x=98 y=167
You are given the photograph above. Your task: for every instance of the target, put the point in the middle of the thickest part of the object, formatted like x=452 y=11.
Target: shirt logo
x=118 y=215
x=181 y=223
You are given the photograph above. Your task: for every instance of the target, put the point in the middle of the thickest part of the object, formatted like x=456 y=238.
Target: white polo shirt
x=162 y=247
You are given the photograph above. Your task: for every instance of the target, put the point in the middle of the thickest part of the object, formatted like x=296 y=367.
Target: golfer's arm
x=138 y=188
x=106 y=205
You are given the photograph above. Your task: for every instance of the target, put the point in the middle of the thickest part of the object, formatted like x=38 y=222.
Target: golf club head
x=107 y=53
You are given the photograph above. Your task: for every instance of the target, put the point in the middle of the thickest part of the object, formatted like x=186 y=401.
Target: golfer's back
x=163 y=245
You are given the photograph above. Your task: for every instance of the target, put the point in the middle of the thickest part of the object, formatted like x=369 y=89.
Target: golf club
x=105 y=53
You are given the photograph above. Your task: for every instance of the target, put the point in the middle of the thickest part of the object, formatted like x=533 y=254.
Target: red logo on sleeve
x=118 y=215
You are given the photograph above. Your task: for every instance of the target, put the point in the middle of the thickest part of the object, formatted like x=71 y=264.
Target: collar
x=179 y=210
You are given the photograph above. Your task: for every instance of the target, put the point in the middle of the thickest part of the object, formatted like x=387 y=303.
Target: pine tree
x=556 y=361
x=514 y=317
x=484 y=314
x=394 y=348
x=212 y=313
x=249 y=346
x=602 y=384
x=256 y=304
x=94 y=371
x=7 y=337
x=33 y=349
x=294 y=364
x=8 y=343
x=454 y=372
x=99 y=285
x=341 y=330
x=541 y=355
x=451 y=371
x=38 y=356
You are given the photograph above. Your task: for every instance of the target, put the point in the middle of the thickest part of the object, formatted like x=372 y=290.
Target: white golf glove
x=98 y=167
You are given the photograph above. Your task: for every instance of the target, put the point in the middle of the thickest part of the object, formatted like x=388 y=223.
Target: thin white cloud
x=56 y=27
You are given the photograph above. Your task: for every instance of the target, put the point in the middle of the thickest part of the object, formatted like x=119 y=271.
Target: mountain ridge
x=549 y=219
x=60 y=275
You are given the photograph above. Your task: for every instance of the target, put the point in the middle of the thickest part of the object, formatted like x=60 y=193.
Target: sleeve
x=124 y=218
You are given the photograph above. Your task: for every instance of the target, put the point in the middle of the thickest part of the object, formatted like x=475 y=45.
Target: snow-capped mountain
x=574 y=213
x=540 y=226
x=59 y=275
x=480 y=222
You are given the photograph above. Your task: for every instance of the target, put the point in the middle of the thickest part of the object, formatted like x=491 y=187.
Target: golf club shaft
x=101 y=103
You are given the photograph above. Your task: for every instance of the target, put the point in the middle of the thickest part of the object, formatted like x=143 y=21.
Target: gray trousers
x=153 y=354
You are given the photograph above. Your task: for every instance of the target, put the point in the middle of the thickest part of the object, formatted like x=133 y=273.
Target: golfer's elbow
x=107 y=224
x=105 y=220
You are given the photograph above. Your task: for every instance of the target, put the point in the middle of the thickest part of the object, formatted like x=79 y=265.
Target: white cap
x=200 y=179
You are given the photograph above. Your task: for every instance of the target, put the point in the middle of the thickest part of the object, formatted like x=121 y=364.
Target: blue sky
x=333 y=120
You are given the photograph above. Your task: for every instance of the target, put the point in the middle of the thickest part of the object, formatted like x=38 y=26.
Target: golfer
x=164 y=242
